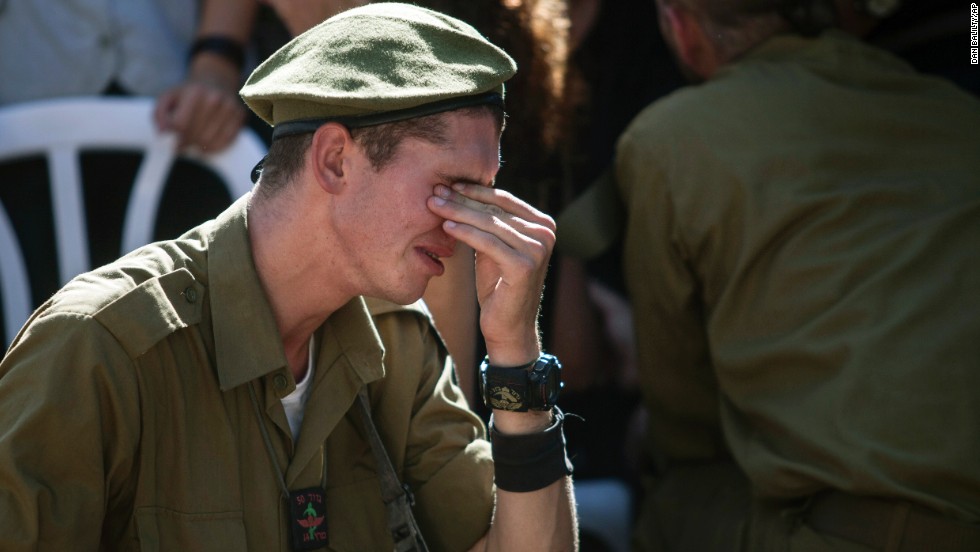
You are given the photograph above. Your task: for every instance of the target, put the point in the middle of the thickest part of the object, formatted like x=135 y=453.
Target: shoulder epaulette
x=153 y=310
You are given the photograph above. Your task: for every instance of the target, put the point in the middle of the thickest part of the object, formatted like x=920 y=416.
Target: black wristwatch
x=522 y=388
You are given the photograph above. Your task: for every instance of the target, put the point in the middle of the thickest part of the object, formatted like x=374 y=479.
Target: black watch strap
x=223 y=46
x=504 y=388
x=521 y=388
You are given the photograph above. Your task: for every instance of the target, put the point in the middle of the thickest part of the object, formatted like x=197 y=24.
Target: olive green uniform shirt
x=803 y=256
x=126 y=422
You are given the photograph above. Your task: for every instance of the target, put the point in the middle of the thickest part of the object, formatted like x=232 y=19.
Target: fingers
x=161 y=111
x=498 y=202
x=513 y=243
x=203 y=115
x=490 y=219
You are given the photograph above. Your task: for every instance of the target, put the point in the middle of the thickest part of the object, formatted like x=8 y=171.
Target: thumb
x=163 y=110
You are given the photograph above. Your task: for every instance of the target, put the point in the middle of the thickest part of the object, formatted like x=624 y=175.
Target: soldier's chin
x=403 y=297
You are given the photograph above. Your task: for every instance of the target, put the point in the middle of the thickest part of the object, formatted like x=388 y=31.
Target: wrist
x=213 y=73
x=516 y=354
x=516 y=361
x=521 y=423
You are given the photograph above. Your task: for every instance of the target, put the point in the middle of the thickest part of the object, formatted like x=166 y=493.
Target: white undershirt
x=295 y=402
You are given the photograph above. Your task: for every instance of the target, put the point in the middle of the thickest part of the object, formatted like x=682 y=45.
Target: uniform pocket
x=160 y=529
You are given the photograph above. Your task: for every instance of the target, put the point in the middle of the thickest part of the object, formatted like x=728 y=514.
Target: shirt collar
x=831 y=48
x=358 y=341
x=246 y=339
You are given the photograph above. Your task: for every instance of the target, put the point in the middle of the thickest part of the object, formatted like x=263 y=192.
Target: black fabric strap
x=268 y=441
x=398 y=498
x=524 y=463
x=223 y=46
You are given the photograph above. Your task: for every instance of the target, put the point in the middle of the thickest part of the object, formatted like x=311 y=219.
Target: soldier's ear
x=331 y=143
x=687 y=35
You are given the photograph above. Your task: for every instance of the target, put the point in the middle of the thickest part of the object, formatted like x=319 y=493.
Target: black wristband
x=220 y=45
x=524 y=463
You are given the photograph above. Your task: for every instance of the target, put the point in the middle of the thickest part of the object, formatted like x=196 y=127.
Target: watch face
x=552 y=387
x=544 y=383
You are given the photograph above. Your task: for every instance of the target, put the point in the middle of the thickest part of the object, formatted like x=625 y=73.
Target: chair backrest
x=59 y=130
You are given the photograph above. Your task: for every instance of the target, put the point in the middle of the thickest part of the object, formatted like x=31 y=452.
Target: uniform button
x=190 y=294
x=281 y=382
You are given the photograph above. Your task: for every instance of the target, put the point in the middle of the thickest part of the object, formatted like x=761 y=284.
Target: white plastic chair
x=59 y=129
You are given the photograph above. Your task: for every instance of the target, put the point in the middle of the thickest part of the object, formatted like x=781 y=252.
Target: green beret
x=384 y=58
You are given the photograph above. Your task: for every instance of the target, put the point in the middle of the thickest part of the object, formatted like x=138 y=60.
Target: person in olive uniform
x=800 y=251
x=203 y=393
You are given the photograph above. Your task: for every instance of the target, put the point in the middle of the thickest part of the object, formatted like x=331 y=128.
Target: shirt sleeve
x=662 y=275
x=67 y=414
x=446 y=458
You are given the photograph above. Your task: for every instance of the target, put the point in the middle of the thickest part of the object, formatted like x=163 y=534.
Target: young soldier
x=217 y=392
